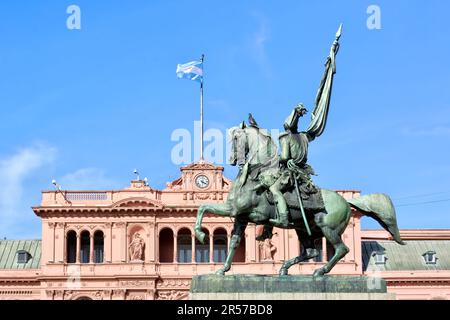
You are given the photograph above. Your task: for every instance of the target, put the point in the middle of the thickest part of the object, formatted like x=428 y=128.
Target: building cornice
x=418 y=281
x=8 y=280
x=154 y=277
x=407 y=234
x=110 y=211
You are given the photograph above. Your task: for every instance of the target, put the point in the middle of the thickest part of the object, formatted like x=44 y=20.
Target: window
x=23 y=256
x=430 y=257
x=202 y=249
x=184 y=246
x=98 y=246
x=71 y=247
x=85 y=246
x=220 y=245
x=380 y=257
x=166 y=245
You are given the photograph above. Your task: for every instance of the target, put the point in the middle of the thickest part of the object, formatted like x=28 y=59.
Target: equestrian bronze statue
x=276 y=190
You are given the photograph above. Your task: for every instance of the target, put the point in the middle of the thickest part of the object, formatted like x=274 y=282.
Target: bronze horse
x=246 y=205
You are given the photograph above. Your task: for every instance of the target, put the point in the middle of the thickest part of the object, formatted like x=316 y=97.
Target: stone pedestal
x=256 y=287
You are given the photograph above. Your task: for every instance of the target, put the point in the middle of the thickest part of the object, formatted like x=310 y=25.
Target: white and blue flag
x=192 y=70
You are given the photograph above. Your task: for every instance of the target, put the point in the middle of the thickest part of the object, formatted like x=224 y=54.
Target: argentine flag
x=192 y=70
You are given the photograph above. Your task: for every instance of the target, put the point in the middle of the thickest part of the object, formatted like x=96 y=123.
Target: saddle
x=312 y=202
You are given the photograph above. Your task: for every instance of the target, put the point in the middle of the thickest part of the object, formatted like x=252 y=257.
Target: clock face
x=202 y=181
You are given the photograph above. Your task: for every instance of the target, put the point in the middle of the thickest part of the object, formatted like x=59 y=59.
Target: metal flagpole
x=201 y=113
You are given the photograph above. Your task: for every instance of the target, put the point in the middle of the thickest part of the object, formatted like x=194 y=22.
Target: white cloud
x=258 y=44
x=87 y=179
x=14 y=170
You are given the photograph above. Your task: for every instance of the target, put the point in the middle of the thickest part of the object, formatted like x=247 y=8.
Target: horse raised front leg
x=238 y=231
x=219 y=209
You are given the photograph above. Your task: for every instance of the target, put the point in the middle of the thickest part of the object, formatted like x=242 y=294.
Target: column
x=175 y=244
x=91 y=248
x=228 y=241
x=118 y=242
x=107 y=243
x=60 y=245
x=123 y=241
x=55 y=238
x=193 y=248
x=324 y=249
x=151 y=244
x=286 y=244
x=78 y=248
x=48 y=235
x=345 y=240
x=211 y=246
x=157 y=254
x=294 y=244
x=357 y=242
x=250 y=243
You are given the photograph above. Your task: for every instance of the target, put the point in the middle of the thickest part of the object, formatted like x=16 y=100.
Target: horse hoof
x=318 y=273
x=283 y=272
x=200 y=236
x=220 y=272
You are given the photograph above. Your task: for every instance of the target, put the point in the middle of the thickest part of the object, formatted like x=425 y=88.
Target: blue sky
x=88 y=106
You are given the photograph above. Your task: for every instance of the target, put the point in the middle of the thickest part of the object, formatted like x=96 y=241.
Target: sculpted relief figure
x=136 y=248
x=276 y=190
x=266 y=250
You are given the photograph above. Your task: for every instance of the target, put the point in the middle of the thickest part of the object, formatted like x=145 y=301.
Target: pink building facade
x=138 y=244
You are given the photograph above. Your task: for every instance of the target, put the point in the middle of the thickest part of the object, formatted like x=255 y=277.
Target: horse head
x=251 y=144
x=239 y=145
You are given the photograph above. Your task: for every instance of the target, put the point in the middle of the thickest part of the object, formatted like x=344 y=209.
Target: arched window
x=85 y=245
x=98 y=246
x=71 y=247
x=184 y=246
x=202 y=249
x=220 y=245
x=166 y=245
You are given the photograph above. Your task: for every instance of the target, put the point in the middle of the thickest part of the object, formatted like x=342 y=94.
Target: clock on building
x=202 y=181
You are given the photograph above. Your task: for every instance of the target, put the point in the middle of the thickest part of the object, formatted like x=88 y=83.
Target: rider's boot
x=282 y=208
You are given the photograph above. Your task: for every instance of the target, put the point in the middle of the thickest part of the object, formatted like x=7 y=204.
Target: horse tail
x=379 y=207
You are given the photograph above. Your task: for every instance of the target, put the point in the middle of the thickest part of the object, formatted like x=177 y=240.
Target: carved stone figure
x=136 y=248
x=294 y=202
x=267 y=250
